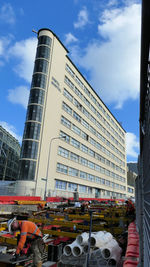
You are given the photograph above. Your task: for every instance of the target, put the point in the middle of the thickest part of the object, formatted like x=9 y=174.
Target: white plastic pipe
x=82 y=239
x=77 y=250
x=111 y=250
x=100 y=238
x=68 y=248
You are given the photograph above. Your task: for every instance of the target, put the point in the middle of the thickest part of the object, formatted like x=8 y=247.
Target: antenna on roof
x=34 y=31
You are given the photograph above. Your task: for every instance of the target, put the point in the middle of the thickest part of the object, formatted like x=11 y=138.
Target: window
x=69 y=83
x=62 y=168
x=83 y=175
x=70 y=70
x=86 y=113
x=97 y=168
x=27 y=170
x=43 y=52
x=37 y=96
x=75 y=129
x=63 y=152
x=91 y=165
x=84 y=136
x=44 y=39
x=84 y=148
x=34 y=113
x=73 y=172
x=41 y=65
x=39 y=80
x=77 y=104
x=86 y=91
x=67 y=137
x=74 y=157
x=29 y=149
x=85 y=124
x=91 y=177
x=60 y=185
x=32 y=130
x=67 y=108
x=65 y=122
x=83 y=161
x=75 y=143
x=92 y=130
x=77 y=116
x=72 y=187
x=93 y=109
x=78 y=92
x=82 y=189
x=68 y=95
x=91 y=153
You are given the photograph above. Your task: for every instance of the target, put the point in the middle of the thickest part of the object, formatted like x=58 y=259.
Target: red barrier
x=130 y=263
x=132 y=247
x=13 y=198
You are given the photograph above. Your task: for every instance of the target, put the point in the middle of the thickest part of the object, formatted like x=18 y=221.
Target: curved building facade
x=71 y=139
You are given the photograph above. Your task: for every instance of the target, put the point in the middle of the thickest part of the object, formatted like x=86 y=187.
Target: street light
x=46 y=180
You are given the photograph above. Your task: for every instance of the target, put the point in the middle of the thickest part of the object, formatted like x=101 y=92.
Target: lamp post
x=48 y=162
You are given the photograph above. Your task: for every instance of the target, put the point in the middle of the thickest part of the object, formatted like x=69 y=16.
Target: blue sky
x=103 y=39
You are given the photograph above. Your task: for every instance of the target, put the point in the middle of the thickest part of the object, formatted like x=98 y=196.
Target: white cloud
x=70 y=38
x=132 y=145
x=19 y=95
x=11 y=129
x=7 y=14
x=82 y=18
x=113 y=60
x=25 y=52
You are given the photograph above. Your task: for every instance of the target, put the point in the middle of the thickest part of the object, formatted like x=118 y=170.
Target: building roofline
x=46 y=29
x=95 y=92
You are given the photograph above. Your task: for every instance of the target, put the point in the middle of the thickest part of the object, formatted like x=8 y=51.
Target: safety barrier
x=132 y=252
x=14 y=198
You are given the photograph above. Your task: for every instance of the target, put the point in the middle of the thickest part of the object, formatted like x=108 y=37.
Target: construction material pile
x=101 y=250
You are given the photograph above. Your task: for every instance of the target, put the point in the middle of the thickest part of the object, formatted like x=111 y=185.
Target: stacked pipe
x=109 y=248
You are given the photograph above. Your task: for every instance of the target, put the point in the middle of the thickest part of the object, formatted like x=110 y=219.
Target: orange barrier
x=132 y=252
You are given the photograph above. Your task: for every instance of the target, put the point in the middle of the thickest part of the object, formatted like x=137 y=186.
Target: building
x=71 y=140
x=143 y=179
x=133 y=166
x=9 y=156
x=132 y=173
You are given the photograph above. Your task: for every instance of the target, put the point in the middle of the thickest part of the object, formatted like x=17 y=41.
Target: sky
x=103 y=39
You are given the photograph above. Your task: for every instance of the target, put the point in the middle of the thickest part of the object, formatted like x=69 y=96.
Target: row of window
x=70 y=111
x=87 y=176
x=83 y=161
x=62 y=185
x=89 y=116
x=94 y=100
x=71 y=126
x=84 y=99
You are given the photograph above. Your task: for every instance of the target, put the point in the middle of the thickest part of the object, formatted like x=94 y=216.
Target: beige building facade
x=71 y=140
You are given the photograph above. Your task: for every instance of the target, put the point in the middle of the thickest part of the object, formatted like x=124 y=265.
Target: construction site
x=75 y=232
